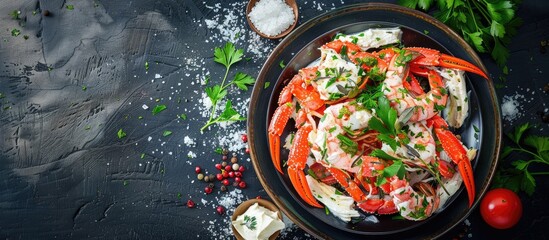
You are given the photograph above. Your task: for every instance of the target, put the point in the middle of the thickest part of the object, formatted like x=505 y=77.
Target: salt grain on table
x=271 y=17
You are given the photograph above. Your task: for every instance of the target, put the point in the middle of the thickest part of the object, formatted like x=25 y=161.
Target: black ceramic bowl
x=299 y=49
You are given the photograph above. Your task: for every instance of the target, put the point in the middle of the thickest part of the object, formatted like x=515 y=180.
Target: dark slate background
x=65 y=174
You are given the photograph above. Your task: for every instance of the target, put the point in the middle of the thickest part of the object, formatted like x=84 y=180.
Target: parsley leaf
x=166 y=133
x=249 y=222
x=15 y=32
x=487 y=25
x=281 y=64
x=158 y=108
x=531 y=147
x=121 y=134
x=243 y=80
x=228 y=55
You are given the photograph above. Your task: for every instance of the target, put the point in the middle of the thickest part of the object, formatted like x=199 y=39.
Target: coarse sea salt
x=271 y=17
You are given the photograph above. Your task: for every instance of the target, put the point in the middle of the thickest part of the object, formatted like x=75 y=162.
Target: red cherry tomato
x=501 y=208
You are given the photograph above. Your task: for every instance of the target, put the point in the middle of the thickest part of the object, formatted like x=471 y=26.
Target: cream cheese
x=258 y=223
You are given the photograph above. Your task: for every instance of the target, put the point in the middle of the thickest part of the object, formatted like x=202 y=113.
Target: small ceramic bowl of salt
x=256 y=219
x=272 y=18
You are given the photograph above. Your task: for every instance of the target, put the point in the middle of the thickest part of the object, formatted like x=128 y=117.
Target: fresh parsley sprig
x=488 y=25
x=385 y=122
x=227 y=56
x=535 y=149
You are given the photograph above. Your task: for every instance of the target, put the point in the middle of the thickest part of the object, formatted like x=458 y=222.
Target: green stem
x=521 y=149
x=539 y=173
x=481 y=10
x=214 y=104
x=472 y=15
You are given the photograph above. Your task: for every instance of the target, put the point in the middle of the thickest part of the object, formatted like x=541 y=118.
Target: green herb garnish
x=249 y=222
x=121 y=134
x=166 y=133
x=281 y=64
x=158 y=108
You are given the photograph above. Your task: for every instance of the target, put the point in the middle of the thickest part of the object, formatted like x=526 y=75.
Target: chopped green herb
x=70 y=7
x=281 y=64
x=146 y=66
x=166 y=133
x=218 y=150
x=84 y=88
x=249 y=222
x=142 y=155
x=15 y=32
x=15 y=14
x=158 y=108
x=425 y=32
x=121 y=134
x=267 y=84
x=183 y=116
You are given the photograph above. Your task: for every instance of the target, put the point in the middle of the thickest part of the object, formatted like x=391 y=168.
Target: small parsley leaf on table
x=121 y=134
x=158 y=108
x=166 y=133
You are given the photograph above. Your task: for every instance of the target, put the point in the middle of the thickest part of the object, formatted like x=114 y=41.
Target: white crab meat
x=457 y=107
x=373 y=38
x=326 y=147
x=335 y=74
x=339 y=205
x=451 y=185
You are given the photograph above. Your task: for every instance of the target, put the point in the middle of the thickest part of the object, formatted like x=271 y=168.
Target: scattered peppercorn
x=46 y=13
x=220 y=210
x=231 y=174
x=247 y=150
x=224 y=164
x=225 y=151
x=244 y=138
x=225 y=174
x=212 y=177
x=219 y=176
x=218 y=166
x=226 y=182
x=241 y=169
x=223 y=188
x=238 y=174
x=235 y=166
x=197 y=169
x=224 y=157
x=228 y=168
x=234 y=159
x=211 y=185
x=206 y=178
x=242 y=184
x=208 y=190
x=190 y=203
x=200 y=176
x=237 y=179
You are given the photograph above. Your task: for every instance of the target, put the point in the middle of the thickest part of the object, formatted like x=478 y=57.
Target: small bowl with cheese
x=256 y=219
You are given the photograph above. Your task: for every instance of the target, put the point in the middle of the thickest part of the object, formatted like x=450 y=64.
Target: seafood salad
x=374 y=124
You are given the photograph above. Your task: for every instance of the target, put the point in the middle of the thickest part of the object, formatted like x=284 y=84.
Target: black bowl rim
x=258 y=88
